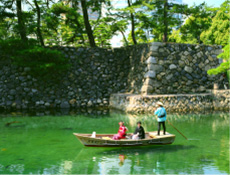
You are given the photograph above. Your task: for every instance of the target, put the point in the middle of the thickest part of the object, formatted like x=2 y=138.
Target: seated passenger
x=121 y=132
x=139 y=132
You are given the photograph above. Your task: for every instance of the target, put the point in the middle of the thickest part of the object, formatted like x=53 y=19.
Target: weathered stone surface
x=172 y=66
x=47 y=104
x=148 y=81
x=12 y=92
x=169 y=77
x=146 y=89
x=188 y=69
x=150 y=74
x=154 y=67
x=173 y=102
x=72 y=101
x=186 y=53
x=181 y=63
x=151 y=60
x=64 y=104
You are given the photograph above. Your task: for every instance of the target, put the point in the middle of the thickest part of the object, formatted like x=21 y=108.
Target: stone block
x=150 y=74
x=156 y=84
x=149 y=81
x=12 y=92
x=151 y=60
x=202 y=88
x=210 y=58
x=168 y=77
x=207 y=67
x=146 y=89
x=47 y=104
x=172 y=66
x=188 y=69
x=217 y=51
x=181 y=63
x=154 y=67
x=64 y=104
x=161 y=50
x=72 y=101
x=200 y=54
x=186 y=53
x=155 y=45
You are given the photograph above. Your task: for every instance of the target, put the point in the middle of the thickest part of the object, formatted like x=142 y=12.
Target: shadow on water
x=90 y=112
x=148 y=149
x=86 y=151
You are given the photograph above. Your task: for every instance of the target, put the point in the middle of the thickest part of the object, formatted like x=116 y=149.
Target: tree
x=126 y=16
x=87 y=24
x=39 y=33
x=224 y=67
x=166 y=8
x=164 y=17
x=218 y=33
x=12 y=17
x=21 y=21
x=132 y=22
x=199 y=19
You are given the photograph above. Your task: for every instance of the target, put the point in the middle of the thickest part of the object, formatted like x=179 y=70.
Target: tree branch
x=30 y=4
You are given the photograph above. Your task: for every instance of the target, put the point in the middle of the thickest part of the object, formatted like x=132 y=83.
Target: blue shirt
x=161 y=111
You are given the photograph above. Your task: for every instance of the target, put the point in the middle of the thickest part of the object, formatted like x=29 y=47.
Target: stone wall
x=180 y=68
x=218 y=100
x=221 y=99
x=95 y=74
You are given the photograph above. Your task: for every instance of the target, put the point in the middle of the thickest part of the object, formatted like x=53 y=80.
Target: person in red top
x=121 y=132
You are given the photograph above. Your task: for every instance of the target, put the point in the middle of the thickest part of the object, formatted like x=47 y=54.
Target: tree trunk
x=126 y=42
x=132 y=24
x=165 y=36
x=21 y=22
x=39 y=23
x=87 y=24
x=47 y=4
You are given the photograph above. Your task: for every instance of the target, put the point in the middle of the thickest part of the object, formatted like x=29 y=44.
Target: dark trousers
x=159 y=127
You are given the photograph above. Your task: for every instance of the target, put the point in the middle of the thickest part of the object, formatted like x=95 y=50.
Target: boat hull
x=87 y=140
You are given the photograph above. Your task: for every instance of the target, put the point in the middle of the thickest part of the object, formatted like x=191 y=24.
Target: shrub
x=44 y=63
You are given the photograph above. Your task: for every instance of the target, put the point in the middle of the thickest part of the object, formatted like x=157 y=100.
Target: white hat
x=159 y=103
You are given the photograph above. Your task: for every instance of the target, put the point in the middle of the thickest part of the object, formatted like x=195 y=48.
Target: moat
x=43 y=143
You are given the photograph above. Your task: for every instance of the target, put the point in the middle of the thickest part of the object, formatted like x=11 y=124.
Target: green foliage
x=218 y=33
x=63 y=24
x=225 y=65
x=198 y=19
x=11 y=47
x=43 y=62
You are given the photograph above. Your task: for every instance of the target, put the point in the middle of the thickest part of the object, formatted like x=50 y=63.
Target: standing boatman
x=161 y=115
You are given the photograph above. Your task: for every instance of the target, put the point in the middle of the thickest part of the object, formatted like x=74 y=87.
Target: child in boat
x=139 y=132
x=121 y=132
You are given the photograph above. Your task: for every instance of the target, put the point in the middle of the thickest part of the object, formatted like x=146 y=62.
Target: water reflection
x=141 y=160
x=122 y=159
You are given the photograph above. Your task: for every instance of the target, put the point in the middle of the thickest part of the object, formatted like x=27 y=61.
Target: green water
x=46 y=145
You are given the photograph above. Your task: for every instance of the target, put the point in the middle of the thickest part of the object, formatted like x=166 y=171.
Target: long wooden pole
x=177 y=130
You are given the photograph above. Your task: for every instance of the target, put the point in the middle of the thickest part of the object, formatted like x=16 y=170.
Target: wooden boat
x=105 y=140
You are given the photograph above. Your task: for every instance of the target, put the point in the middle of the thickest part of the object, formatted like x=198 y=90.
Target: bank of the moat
x=218 y=100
